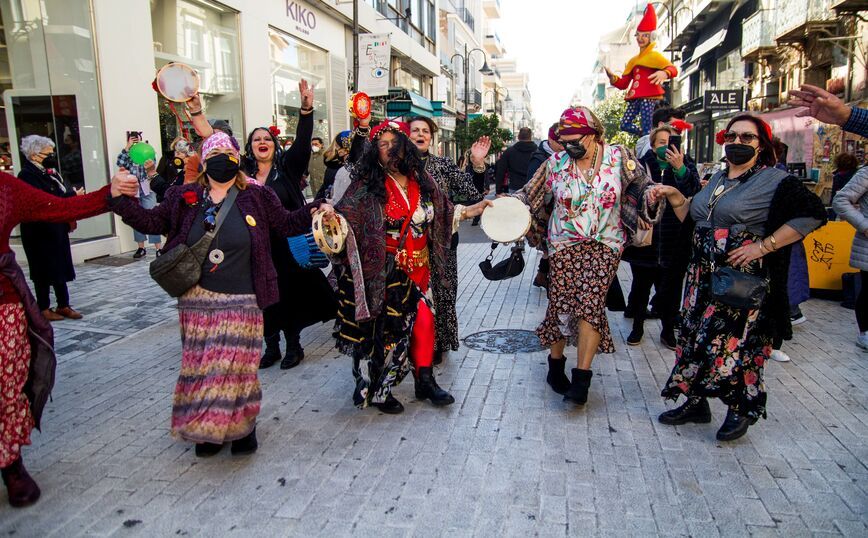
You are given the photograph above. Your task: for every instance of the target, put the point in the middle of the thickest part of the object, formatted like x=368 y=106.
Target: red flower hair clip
x=191 y=198
x=274 y=130
x=680 y=125
x=719 y=137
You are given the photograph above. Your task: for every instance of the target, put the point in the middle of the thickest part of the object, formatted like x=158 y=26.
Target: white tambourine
x=177 y=82
x=330 y=236
x=506 y=221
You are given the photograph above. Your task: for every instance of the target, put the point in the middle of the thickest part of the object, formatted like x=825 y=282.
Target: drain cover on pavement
x=504 y=341
x=112 y=261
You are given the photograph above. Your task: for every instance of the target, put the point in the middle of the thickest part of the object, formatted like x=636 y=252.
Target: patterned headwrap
x=219 y=140
x=390 y=125
x=344 y=139
x=553 y=132
x=579 y=120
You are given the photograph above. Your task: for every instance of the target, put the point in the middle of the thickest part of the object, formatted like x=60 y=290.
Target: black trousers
x=43 y=294
x=862 y=303
x=669 y=283
x=644 y=278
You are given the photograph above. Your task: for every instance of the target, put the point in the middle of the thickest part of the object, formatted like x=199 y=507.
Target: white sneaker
x=798 y=321
x=779 y=356
x=862 y=340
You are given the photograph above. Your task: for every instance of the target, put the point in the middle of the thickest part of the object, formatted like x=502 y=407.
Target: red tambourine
x=359 y=105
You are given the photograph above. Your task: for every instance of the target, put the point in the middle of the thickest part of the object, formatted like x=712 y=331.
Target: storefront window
x=49 y=83
x=203 y=35
x=291 y=61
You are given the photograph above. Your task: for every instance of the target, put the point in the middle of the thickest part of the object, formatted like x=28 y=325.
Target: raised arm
x=295 y=160
x=197 y=117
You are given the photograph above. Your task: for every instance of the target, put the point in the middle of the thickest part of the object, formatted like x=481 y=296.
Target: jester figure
x=643 y=77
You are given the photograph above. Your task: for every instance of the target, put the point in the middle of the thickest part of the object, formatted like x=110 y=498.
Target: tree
x=484 y=126
x=610 y=111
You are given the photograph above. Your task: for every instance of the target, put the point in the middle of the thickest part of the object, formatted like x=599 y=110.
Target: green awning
x=416 y=105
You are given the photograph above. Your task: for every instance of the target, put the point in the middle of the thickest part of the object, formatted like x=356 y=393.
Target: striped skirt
x=218 y=396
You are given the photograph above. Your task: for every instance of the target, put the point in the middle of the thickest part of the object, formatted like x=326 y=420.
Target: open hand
x=820 y=104
x=124 y=184
x=476 y=209
x=658 y=77
x=479 y=150
x=744 y=254
x=306 y=91
x=674 y=157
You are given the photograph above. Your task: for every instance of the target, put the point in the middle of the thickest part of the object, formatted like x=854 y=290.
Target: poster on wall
x=374 y=53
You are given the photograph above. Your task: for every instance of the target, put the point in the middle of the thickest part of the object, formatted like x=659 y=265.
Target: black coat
x=511 y=169
x=671 y=236
x=306 y=297
x=46 y=245
x=542 y=153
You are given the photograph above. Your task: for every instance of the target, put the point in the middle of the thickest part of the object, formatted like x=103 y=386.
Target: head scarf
x=390 y=125
x=219 y=140
x=553 y=132
x=344 y=139
x=579 y=120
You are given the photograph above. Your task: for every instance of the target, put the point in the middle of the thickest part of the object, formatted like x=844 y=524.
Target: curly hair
x=403 y=156
x=249 y=165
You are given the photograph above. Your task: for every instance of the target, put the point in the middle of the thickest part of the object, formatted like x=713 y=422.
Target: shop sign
x=724 y=100
x=303 y=17
x=446 y=123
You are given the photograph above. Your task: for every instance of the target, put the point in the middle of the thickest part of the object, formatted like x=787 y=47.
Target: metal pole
x=466 y=97
x=355 y=46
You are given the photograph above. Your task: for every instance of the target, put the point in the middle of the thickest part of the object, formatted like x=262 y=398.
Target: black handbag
x=179 y=269
x=738 y=289
x=509 y=267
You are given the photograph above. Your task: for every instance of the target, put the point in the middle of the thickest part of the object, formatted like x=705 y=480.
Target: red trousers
x=422 y=338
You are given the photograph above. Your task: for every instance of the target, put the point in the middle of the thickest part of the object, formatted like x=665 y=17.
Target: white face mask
x=315 y=149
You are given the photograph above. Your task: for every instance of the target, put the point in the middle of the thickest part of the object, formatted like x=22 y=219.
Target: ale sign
x=724 y=100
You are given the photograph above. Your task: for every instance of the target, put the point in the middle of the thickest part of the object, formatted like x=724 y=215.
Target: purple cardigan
x=262 y=211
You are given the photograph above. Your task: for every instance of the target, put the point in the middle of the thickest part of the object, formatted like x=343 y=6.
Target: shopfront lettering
x=724 y=99
x=304 y=18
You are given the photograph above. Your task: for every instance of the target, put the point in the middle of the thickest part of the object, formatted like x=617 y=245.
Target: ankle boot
x=667 y=337
x=556 y=378
x=635 y=337
x=438 y=357
x=578 y=391
x=695 y=409
x=294 y=351
x=21 y=487
x=246 y=445
x=428 y=389
x=272 y=351
x=734 y=426
x=391 y=406
x=206 y=450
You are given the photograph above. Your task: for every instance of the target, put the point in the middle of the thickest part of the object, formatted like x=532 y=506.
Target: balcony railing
x=757 y=33
x=465 y=15
x=792 y=15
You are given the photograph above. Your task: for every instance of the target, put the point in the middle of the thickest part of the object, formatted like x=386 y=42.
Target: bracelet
x=480 y=170
x=197 y=113
x=773 y=242
x=763 y=248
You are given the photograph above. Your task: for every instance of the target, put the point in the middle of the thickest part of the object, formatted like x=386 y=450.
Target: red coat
x=639 y=87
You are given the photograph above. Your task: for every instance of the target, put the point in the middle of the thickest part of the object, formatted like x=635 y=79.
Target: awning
x=414 y=104
x=709 y=44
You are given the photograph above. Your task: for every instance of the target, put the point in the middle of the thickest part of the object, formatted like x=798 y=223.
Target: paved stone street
x=508 y=458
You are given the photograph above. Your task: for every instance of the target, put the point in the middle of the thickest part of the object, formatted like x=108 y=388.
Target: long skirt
x=16 y=421
x=379 y=347
x=217 y=397
x=720 y=350
x=579 y=280
x=446 y=319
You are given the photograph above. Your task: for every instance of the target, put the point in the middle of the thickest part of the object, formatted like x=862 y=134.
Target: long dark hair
x=404 y=156
x=249 y=164
x=766 y=156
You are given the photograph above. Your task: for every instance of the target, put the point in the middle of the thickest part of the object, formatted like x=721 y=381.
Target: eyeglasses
x=730 y=136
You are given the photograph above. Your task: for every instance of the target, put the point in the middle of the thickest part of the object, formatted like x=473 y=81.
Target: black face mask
x=575 y=150
x=221 y=168
x=50 y=161
x=739 y=154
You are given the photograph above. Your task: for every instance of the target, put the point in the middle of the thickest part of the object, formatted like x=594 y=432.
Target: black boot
x=428 y=389
x=556 y=378
x=272 y=351
x=578 y=391
x=21 y=487
x=294 y=351
x=246 y=445
x=438 y=357
x=693 y=410
x=206 y=450
x=635 y=336
x=734 y=426
x=391 y=406
x=667 y=338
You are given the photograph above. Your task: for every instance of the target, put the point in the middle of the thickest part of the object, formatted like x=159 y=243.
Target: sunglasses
x=746 y=138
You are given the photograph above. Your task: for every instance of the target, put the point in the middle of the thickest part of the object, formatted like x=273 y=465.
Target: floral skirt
x=217 y=397
x=579 y=279
x=720 y=350
x=379 y=347
x=16 y=421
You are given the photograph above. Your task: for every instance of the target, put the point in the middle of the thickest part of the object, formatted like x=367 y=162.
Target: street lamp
x=485 y=71
x=496 y=91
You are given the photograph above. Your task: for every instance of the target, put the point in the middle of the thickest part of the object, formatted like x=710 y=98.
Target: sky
x=555 y=42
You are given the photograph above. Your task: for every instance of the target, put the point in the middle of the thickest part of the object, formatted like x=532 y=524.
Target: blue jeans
x=148 y=202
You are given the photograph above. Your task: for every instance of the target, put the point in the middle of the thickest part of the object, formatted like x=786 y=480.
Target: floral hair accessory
x=719 y=137
x=274 y=130
x=680 y=125
x=191 y=198
x=390 y=125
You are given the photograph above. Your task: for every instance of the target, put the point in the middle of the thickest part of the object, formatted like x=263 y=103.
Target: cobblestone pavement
x=508 y=458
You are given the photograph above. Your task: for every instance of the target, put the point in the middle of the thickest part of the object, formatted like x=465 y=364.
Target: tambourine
x=506 y=221
x=359 y=105
x=177 y=82
x=330 y=236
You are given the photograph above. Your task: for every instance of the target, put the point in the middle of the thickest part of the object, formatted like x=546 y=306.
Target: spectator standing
x=316 y=168
x=851 y=203
x=147 y=197
x=845 y=166
x=510 y=171
x=661 y=117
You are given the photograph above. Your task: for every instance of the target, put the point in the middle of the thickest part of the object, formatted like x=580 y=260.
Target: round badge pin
x=250 y=220
x=216 y=256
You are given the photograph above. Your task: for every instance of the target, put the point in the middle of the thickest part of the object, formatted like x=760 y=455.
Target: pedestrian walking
x=457 y=184
x=851 y=204
x=46 y=244
x=147 y=197
x=746 y=218
x=401 y=225
x=510 y=171
x=217 y=398
x=27 y=362
x=585 y=203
